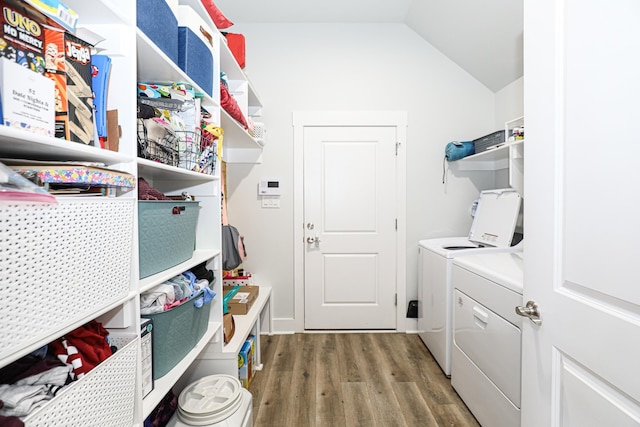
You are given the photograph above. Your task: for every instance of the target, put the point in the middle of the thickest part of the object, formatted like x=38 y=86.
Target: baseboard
x=289 y=325
x=284 y=326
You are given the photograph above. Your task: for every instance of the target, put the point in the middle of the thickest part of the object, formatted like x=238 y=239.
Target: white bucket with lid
x=210 y=401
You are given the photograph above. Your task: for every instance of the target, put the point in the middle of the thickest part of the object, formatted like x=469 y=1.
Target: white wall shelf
x=155 y=170
x=154 y=66
x=508 y=156
x=246 y=323
x=21 y=144
x=198 y=257
x=494 y=159
x=239 y=146
x=237 y=135
x=103 y=11
x=234 y=72
x=228 y=63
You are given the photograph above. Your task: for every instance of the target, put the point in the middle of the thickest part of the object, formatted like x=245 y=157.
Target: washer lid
x=496 y=217
x=209 y=400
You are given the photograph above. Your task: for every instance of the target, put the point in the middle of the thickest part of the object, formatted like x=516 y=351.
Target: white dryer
x=492 y=230
x=486 y=354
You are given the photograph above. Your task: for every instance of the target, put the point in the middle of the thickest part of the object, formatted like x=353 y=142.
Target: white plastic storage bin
x=60 y=265
x=105 y=397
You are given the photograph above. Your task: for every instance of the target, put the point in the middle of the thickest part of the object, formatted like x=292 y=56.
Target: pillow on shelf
x=236 y=45
x=230 y=105
x=218 y=17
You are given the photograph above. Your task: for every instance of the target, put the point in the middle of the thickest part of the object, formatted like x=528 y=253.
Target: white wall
x=304 y=67
x=509 y=105
x=509 y=102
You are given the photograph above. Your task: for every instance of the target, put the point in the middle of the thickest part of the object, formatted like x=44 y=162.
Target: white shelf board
x=254 y=98
x=519 y=121
x=154 y=66
x=156 y=170
x=494 y=159
x=162 y=385
x=242 y=155
x=36 y=344
x=228 y=63
x=235 y=135
x=197 y=258
x=98 y=12
x=244 y=322
x=230 y=67
x=23 y=144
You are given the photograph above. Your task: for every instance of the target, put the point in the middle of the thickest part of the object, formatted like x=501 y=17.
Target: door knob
x=531 y=310
x=312 y=240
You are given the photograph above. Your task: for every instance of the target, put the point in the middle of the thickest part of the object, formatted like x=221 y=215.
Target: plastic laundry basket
x=175 y=332
x=167 y=233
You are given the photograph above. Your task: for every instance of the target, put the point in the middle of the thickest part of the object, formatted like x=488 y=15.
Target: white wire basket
x=196 y=152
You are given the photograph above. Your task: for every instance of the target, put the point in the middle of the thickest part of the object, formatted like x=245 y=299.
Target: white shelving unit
x=491 y=160
x=224 y=359
x=105 y=229
x=241 y=147
x=508 y=156
x=516 y=154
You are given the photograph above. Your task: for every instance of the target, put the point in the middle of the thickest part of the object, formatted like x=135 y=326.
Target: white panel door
x=350 y=236
x=582 y=85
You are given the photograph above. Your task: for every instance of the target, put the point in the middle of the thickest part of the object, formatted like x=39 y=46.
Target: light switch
x=271 y=201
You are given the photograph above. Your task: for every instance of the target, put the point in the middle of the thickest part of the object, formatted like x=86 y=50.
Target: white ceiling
x=484 y=37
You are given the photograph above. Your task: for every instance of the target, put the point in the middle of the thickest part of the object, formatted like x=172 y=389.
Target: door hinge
x=396 y=300
x=396 y=224
x=397 y=147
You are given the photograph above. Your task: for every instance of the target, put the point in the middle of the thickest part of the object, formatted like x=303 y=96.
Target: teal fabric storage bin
x=176 y=332
x=166 y=234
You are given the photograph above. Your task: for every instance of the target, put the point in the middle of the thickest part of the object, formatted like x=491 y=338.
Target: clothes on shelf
x=31 y=381
x=178 y=290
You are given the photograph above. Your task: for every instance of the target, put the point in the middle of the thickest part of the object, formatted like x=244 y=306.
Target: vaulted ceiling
x=484 y=37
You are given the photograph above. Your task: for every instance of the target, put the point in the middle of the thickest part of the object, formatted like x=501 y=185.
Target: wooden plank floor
x=376 y=379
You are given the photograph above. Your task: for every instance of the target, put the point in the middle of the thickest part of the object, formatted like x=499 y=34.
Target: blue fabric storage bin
x=195 y=59
x=156 y=19
x=166 y=234
x=175 y=332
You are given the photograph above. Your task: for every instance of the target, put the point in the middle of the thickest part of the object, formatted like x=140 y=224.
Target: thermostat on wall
x=269 y=187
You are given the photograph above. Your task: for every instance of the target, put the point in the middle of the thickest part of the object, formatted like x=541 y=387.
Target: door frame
x=302 y=119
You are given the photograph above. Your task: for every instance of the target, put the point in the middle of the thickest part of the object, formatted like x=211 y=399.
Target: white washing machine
x=486 y=354
x=492 y=230
x=214 y=401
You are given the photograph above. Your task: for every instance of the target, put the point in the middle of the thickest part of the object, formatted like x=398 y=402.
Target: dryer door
x=491 y=342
